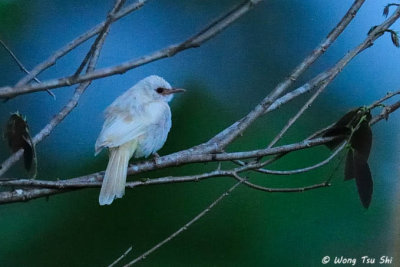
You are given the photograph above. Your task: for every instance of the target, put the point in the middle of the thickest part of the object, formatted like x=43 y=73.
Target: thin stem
x=296 y=171
x=22 y=67
x=121 y=257
x=71 y=103
x=76 y=42
x=183 y=228
x=193 y=42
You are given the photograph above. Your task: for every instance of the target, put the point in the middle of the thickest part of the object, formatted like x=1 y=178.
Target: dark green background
x=224 y=79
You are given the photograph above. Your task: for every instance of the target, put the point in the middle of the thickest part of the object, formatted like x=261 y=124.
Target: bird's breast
x=157 y=131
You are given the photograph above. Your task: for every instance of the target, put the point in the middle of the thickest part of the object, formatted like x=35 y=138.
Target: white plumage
x=136 y=124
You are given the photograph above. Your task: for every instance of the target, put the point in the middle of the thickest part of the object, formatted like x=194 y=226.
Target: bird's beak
x=173 y=91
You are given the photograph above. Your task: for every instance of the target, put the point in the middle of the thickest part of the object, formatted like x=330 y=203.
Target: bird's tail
x=115 y=177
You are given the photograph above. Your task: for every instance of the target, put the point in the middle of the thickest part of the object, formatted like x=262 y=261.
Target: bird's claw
x=156 y=158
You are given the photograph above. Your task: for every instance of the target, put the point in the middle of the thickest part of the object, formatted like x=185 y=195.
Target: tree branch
x=22 y=67
x=76 y=42
x=183 y=228
x=59 y=117
x=121 y=257
x=194 y=41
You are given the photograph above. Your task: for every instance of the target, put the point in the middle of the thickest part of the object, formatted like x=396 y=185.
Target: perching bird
x=136 y=124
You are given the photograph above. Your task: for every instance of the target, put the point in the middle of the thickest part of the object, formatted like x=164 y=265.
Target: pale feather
x=115 y=177
x=136 y=123
x=152 y=119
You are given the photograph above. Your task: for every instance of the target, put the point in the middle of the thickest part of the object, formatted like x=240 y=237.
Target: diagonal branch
x=21 y=66
x=194 y=41
x=297 y=171
x=76 y=42
x=97 y=45
x=183 y=228
x=227 y=136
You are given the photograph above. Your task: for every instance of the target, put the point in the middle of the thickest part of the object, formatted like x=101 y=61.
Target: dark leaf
x=363 y=179
x=341 y=128
x=17 y=135
x=342 y=131
x=349 y=167
x=15 y=130
x=386 y=10
x=361 y=140
x=30 y=161
x=395 y=38
x=348 y=118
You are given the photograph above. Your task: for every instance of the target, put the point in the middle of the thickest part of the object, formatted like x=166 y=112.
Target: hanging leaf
x=17 y=135
x=349 y=167
x=348 y=118
x=357 y=158
x=386 y=10
x=361 y=140
x=364 y=180
x=395 y=38
x=354 y=125
x=341 y=128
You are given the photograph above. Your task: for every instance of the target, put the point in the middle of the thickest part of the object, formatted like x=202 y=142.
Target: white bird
x=136 y=124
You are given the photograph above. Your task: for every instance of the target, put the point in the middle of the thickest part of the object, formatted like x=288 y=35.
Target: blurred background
x=225 y=78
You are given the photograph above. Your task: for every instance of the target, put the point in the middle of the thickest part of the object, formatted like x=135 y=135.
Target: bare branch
x=121 y=257
x=231 y=133
x=281 y=190
x=297 y=116
x=22 y=67
x=75 y=98
x=183 y=228
x=385 y=113
x=194 y=41
x=171 y=160
x=297 y=171
x=380 y=101
x=76 y=42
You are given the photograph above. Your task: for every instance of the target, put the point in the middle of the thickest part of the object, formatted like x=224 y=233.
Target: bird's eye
x=160 y=90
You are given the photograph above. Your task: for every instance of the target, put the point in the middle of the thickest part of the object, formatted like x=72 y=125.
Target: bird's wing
x=122 y=126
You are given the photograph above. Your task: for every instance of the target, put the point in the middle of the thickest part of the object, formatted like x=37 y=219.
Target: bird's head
x=156 y=88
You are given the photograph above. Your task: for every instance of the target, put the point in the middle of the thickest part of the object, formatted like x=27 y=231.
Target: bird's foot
x=156 y=158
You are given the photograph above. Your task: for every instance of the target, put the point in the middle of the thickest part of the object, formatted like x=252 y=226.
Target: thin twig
x=280 y=190
x=228 y=135
x=193 y=42
x=71 y=103
x=22 y=67
x=386 y=97
x=183 y=228
x=297 y=115
x=121 y=257
x=385 y=113
x=296 y=171
x=76 y=42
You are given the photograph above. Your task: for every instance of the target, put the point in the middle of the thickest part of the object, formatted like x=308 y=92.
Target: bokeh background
x=224 y=79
